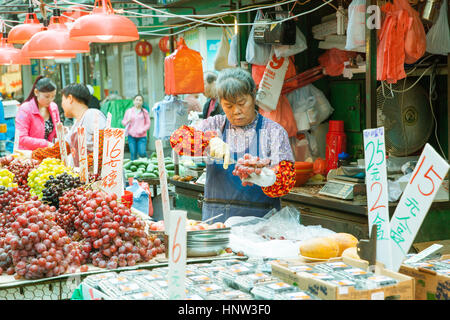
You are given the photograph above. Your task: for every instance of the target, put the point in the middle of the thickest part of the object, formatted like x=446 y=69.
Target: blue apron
x=224 y=192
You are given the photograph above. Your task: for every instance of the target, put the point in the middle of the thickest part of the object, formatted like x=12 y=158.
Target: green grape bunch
x=7 y=178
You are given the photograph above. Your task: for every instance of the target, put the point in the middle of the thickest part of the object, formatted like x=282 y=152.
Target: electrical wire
x=431 y=93
x=412 y=86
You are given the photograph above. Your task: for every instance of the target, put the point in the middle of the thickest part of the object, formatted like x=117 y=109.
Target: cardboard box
x=428 y=284
x=403 y=290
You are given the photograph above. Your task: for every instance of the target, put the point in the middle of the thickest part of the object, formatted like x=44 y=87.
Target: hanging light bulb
x=102 y=25
x=54 y=41
x=10 y=55
x=23 y=32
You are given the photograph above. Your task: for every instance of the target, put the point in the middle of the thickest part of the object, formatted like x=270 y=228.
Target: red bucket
x=127 y=199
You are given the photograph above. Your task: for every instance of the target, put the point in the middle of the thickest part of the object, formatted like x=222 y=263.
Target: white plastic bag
x=221 y=60
x=322 y=106
x=257 y=53
x=356 y=27
x=438 y=37
x=299 y=46
x=232 y=55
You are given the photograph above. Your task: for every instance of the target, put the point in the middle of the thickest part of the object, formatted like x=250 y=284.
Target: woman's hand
x=254 y=170
x=219 y=150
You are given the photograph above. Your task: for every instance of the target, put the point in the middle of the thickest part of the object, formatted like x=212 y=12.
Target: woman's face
x=138 y=101
x=44 y=98
x=209 y=90
x=66 y=104
x=240 y=113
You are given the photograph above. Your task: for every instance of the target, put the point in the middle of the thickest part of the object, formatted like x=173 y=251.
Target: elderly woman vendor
x=235 y=140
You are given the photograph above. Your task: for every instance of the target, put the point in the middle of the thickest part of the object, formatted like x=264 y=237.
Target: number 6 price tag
x=377 y=191
x=415 y=202
x=177 y=255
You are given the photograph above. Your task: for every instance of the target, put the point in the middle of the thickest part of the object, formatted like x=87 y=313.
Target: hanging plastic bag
x=140 y=198
x=172 y=114
x=233 y=53
x=287 y=51
x=221 y=60
x=356 y=27
x=322 y=106
x=438 y=37
x=415 y=41
x=257 y=53
x=283 y=115
x=183 y=71
x=333 y=61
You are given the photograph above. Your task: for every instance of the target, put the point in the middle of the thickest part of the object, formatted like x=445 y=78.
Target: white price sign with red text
x=82 y=154
x=415 y=202
x=96 y=141
x=62 y=143
x=163 y=183
x=108 y=120
x=177 y=255
x=377 y=191
x=112 y=165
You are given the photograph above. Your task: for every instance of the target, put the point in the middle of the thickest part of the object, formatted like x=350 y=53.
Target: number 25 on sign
x=415 y=202
x=113 y=144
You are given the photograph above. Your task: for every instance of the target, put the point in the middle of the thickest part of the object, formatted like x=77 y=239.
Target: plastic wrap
x=438 y=37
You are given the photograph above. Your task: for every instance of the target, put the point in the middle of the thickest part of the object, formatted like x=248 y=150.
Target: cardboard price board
x=82 y=154
x=177 y=255
x=163 y=184
x=96 y=141
x=377 y=191
x=112 y=166
x=62 y=144
x=415 y=202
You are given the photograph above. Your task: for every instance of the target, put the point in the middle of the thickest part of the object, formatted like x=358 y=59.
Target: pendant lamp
x=55 y=40
x=23 y=32
x=10 y=55
x=102 y=25
x=32 y=55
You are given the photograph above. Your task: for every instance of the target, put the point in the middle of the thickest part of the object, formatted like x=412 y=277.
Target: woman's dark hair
x=79 y=91
x=42 y=84
x=139 y=95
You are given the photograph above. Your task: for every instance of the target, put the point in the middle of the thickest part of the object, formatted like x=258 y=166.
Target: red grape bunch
x=249 y=164
x=20 y=168
x=110 y=235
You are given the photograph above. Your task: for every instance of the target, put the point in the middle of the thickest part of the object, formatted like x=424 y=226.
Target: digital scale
x=343 y=187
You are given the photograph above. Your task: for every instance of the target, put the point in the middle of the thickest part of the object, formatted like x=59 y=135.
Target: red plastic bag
x=258 y=72
x=333 y=61
x=283 y=115
x=391 y=46
x=183 y=71
x=416 y=40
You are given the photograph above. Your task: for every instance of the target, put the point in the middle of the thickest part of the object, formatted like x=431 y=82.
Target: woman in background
x=212 y=106
x=137 y=122
x=38 y=115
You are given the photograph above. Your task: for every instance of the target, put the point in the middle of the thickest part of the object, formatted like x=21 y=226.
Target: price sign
x=112 y=166
x=415 y=202
x=62 y=143
x=16 y=141
x=177 y=255
x=108 y=120
x=377 y=191
x=163 y=183
x=96 y=141
x=82 y=154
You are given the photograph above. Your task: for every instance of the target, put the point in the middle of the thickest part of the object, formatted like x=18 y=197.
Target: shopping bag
x=221 y=60
x=183 y=71
x=415 y=41
x=233 y=53
x=269 y=89
x=438 y=37
x=287 y=51
x=283 y=115
x=141 y=197
x=258 y=72
x=333 y=61
x=257 y=53
x=356 y=27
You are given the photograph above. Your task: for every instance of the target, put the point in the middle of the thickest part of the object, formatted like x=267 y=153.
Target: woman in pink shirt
x=37 y=117
x=137 y=122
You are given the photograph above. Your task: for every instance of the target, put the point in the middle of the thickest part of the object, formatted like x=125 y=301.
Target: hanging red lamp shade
x=23 y=32
x=72 y=13
x=10 y=55
x=55 y=40
x=33 y=55
x=102 y=25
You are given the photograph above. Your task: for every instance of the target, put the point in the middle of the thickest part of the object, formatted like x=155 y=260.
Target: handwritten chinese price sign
x=96 y=141
x=62 y=143
x=177 y=255
x=377 y=191
x=113 y=144
x=163 y=183
x=82 y=154
x=415 y=202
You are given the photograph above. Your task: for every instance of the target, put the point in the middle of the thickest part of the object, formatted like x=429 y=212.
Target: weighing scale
x=343 y=187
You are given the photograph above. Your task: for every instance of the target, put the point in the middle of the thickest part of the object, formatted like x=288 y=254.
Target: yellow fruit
x=351 y=252
x=344 y=240
x=319 y=248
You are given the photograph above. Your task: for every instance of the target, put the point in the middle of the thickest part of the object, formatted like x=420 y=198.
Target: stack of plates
x=207 y=242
